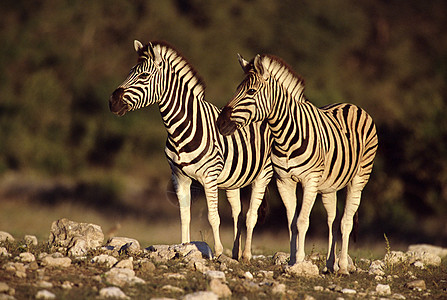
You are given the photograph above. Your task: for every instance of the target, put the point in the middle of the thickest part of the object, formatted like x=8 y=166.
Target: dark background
x=61 y=60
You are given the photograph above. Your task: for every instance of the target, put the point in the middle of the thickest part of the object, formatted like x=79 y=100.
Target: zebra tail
x=355 y=230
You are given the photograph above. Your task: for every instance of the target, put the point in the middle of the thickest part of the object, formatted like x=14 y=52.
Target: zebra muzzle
x=117 y=105
x=224 y=123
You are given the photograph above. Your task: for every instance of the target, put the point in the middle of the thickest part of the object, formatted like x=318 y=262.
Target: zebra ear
x=155 y=54
x=259 y=67
x=244 y=64
x=137 y=45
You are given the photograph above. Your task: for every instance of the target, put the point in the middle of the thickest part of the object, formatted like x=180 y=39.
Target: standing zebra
x=325 y=149
x=194 y=148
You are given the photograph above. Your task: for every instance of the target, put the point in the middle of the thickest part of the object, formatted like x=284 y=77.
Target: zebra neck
x=180 y=106
x=285 y=121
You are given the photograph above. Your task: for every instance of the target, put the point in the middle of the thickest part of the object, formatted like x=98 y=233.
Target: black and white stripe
x=325 y=149
x=194 y=148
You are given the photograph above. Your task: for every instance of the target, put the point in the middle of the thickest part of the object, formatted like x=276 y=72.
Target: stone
x=281 y=258
x=125 y=263
x=44 y=284
x=318 y=288
x=146 y=266
x=121 y=277
x=279 y=288
x=59 y=262
x=124 y=244
x=304 y=269
x=176 y=276
x=439 y=251
x=348 y=291
x=418 y=285
x=112 y=292
x=172 y=289
x=383 y=289
x=215 y=275
x=104 y=259
x=67 y=285
x=26 y=257
x=399 y=297
x=3 y=251
x=6 y=237
x=160 y=253
x=428 y=259
x=395 y=257
x=4 y=287
x=376 y=268
x=15 y=267
x=204 y=248
x=79 y=236
x=44 y=294
x=31 y=240
x=201 y=296
x=248 y=275
x=219 y=288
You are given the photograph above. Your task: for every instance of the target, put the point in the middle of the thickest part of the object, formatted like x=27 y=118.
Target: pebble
x=124 y=244
x=125 y=264
x=51 y=261
x=383 y=289
x=172 y=289
x=120 y=277
x=215 y=275
x=26 y=257
x=112 y=292
x=348 y=291
x=44 y=284
x=279 y=288
x=280 y=258
x=44 y=294
x=3 y=287
x=3 y=251
x=201 y=296
x=318 y=288
x=31 y=240
x=305 y=269
x=219 y=288
x=418 y=285
x=107 y=260
x=6 y=237
x=248 y=275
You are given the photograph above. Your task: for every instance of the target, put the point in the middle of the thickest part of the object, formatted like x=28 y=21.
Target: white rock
x=426 y=258
x=172 y=289
x=51 y=261
x=439 y=251
x=376 y=268
x=112 y=292
x=31 y=240
x=248 y=275
x=201 y=296
x=125 y=263
x=279 y=288
x=44 y=284
x=418 y=285
x=44 y=294
x=318 y=288
x=125 y=244
x=3 y=251
x=215 y=275
x=4 y=287
x=399 y=297
x=81 y=236
x=348 y=291
x=219 y=288
x=104 y=259
x=6 y=237
x=305 y=268
x=395 y=257
x=121 y=277
x=383 y=289
x=27 y=257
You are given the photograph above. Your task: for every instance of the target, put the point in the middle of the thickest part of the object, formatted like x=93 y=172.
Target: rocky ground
x=76 y=263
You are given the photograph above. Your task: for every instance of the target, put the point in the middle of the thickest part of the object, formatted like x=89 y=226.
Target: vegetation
x=61 y=60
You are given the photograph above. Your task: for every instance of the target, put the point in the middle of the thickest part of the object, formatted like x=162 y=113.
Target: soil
x=85 y=279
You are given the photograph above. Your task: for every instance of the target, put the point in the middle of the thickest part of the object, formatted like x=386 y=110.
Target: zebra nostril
x=117 y=94
x=116 y=102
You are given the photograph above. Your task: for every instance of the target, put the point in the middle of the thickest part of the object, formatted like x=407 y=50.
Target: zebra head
x=249 y=103
x=142 y=86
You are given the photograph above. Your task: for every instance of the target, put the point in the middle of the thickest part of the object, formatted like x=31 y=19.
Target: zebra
x=324 y=149
x=194 y=148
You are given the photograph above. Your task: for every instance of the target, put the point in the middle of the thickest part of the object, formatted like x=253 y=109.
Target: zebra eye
x=251 y=92
x=144 y=75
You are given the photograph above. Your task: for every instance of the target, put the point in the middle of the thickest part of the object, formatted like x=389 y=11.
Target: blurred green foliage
x=61 y=60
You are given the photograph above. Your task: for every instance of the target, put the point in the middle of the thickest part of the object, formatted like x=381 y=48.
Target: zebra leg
x=354 y=192
x=234 y=198
x=309 y=195
x=257 y=194
x=182 y=185
x=287 y=190
x=330 y=204
x=213 y=213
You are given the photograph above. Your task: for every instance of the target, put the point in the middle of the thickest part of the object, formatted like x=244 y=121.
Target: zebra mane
x=177 y=60
x=285 y=75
